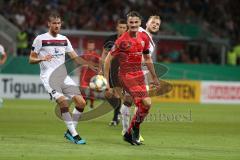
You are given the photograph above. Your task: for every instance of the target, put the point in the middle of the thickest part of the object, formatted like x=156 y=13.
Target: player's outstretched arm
x=107 y=64
x=101 y=61
x=34 y=59
x=149 y=64
x=80 y=61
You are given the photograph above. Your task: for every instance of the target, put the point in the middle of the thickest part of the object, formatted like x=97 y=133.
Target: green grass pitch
x=30 y=130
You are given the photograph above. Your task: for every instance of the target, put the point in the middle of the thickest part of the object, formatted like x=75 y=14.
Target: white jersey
x=144 y=67
x=45 y=44
x=2 y=52
x=152 y=44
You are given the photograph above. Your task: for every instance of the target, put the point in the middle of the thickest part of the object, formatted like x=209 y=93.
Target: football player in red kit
x=87 y=73
x=130 y=48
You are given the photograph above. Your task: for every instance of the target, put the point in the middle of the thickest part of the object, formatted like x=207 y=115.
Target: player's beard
x=55 y=31
x=134 y=29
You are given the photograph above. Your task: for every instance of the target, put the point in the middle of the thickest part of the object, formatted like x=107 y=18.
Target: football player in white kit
x=152 y=26
x=3 y=55
x=3 y=58
x=49 y=50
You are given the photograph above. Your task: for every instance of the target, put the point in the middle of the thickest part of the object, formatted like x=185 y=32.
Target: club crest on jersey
x=142 y=43
x=125 y=45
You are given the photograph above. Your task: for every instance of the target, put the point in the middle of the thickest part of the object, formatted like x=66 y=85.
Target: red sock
x=139 y=116
x=91 y=97
x=84 y=95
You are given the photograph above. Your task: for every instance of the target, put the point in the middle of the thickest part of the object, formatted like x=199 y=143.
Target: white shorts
x=57 y=89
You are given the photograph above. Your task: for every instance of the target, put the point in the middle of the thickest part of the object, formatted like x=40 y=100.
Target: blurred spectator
x=184 y=57
x=236 y=50
x=232 y=58
x=174 y=55
x=100 y=15
x=195 y=60
x=22 y=43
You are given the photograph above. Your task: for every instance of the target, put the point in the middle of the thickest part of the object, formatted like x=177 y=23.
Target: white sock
x=125 y=112
x=75 y=116
x=135 y=110
x=69 y=123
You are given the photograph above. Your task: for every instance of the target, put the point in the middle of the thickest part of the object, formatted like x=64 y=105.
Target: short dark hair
x=121 y=21
x=134 y=14
x=90 y=41
x=53 y=15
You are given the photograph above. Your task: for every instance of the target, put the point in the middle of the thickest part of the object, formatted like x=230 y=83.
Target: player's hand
x=93 y=66
x=47 y=58
x=100 y=72
x=156 y=82
x=108 y=93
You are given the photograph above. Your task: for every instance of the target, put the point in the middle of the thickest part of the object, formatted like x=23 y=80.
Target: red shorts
x=134 y=84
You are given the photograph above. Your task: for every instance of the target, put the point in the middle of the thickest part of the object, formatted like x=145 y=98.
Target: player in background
x=3 y=58
x=115 y=100
x=86 y=73
x=3 y=55
x=130 y=49
x=152 y=27
x=48 y=50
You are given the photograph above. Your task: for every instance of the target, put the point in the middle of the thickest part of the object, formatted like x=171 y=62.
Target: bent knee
x=79 y=101
x=62 y=102
x=147 y=102
x=128 y=101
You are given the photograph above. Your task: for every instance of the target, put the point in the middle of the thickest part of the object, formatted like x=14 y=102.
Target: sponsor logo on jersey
x=56 y=50
x=125 y=45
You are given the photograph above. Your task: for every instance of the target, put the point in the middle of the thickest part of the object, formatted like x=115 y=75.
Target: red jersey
x=129 y=51
x=86 y=72
x=91 y=56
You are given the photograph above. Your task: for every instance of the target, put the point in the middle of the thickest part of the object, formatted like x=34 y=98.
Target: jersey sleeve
x=146 y=48
x=37 y=45
x=2 y=50
x=69 y=47
x=114 y=50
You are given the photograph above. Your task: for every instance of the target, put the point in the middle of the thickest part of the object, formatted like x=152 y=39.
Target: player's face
x=91 y=46
x=133 y=24
x=121 y=28
x=55 y=25
x=153 y=25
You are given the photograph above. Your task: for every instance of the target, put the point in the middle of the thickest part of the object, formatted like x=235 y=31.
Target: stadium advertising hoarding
x=183 y=91
x=22 y=86
x=27 y=87
x=220 y=92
